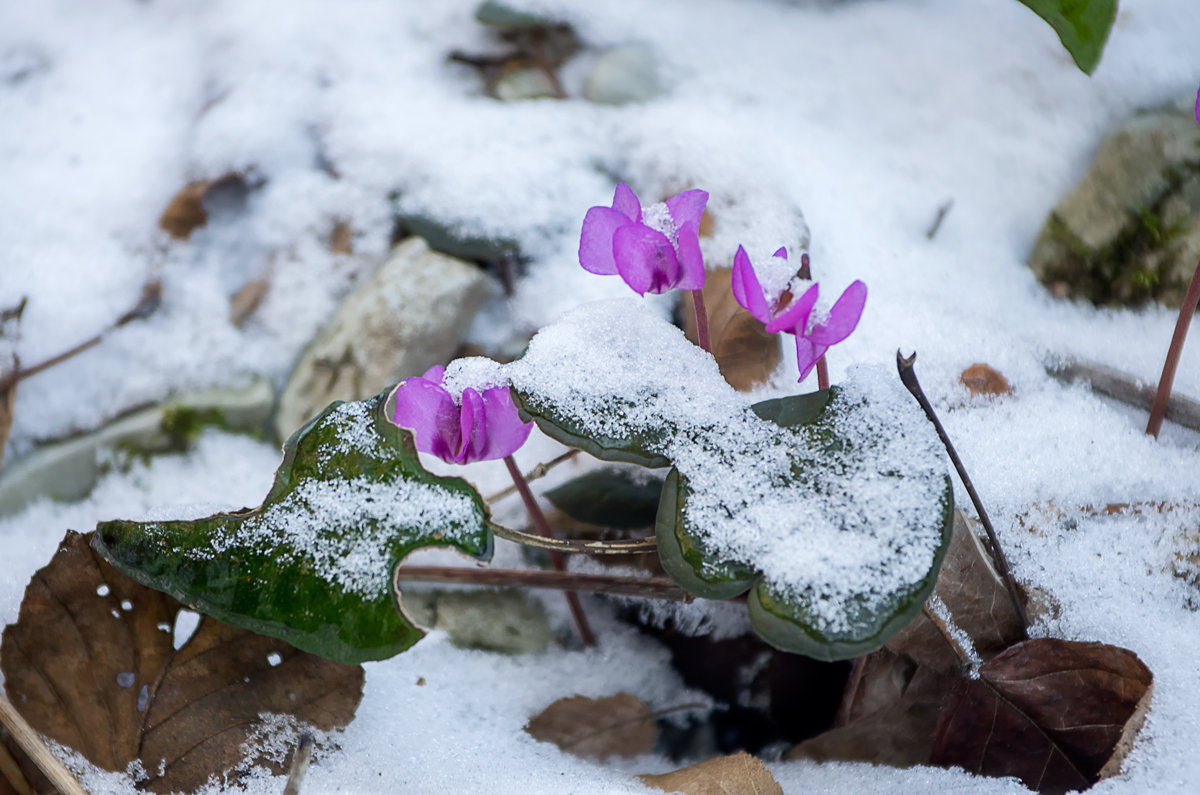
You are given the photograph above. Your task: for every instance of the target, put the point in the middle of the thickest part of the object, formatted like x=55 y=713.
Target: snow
x=867 y=116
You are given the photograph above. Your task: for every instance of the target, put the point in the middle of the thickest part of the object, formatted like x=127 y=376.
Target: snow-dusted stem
x=556 y=559
x=966 y=657
x=701 y=320
x=1159 y=410
x=909 y=377
x=628 y=546
x=646 y=587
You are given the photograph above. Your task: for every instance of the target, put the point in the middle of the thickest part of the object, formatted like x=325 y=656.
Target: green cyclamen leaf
x=609 y=498
x=1082 y=26
x=635 y=447
x=313 y=565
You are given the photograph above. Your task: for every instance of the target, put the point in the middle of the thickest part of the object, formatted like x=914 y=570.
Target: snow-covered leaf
x=313 y=565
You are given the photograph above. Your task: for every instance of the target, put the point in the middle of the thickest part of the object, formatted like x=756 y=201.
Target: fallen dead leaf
x=737 y=774
x=91 y=664
x=888 y=714
x=341 y=237
x=18 y=774
x=246 y=300
x=746 y=354
x=619 y=725
x=982 y=379
x=8 y=405
x=1051 y=712
x=186 y=212
x=975 y=596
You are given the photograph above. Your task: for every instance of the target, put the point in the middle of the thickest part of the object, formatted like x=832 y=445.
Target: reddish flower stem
x=822 y=374
x=701 y=320
x=1159 y=409
x=556 y=559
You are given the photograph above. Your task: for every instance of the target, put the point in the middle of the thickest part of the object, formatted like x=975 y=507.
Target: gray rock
x=411 y=315
x=1130 y=231
x=623 y=75
x=68 y=470
x=453 y=240
x=523 y=82
x=506 y=621
x=501 y=15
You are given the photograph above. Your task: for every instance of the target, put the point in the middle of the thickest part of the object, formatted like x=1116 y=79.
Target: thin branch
x=556 y=558
x=32 y=744
x=702 y=336
x=646 y=587
x=909 y=377
x=1186 y=311
x=942 y=212
x=299 y=765
x=1126 y=389
x=539 y=471
x=822 y=374
x=624 y=546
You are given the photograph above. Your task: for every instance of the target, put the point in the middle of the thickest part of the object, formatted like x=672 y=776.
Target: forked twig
x=909 y=378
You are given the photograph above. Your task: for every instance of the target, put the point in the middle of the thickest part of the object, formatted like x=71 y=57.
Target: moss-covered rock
x=1130 y=231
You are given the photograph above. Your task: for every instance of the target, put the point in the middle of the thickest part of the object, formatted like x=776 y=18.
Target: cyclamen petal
x=691 y=261
x=746 y=289
x=688 y=207
x=797 y=313
x=843 y=316
x=645 y=259
x=596 y=239
x=426 y=409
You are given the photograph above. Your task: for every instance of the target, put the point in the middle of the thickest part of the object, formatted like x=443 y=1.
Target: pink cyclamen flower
x=483 y=427
x=654 y=249
x=814 y=333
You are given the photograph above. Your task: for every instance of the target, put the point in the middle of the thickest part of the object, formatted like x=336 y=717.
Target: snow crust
x=867 y=115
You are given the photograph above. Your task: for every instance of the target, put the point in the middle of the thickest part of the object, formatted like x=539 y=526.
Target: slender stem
x=1126 y=389
x=299 y=765
x=701 y=320
x=625 y=546
x=556 y=558
x=12 y=377
x=647 y=587
x=539 y=471
x=909 y=377
x=965 y=659
x=32 y=744
x=1186 y=311
x=822 y=374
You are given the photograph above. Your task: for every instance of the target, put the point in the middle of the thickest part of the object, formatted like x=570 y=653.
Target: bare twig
x=1126 y=389
x=624 y=546
x=32 y=744
x=556 y=558
x=299 y=765
x=1186 y=311
x=942 y=212
x=538 y=471
x=647 y=587
x=909 y=377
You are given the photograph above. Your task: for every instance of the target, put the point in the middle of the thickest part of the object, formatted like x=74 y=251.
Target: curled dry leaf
x=341 y=237
x=91 y=664
x=745 y=352
x=982 y=379
x=619 y=725
x=976 y=597
x=737 y=774
x=245 y=301
x=1051 y=712
x=187 y=210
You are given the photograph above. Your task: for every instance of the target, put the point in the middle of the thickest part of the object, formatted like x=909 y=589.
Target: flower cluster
x=483 y=427
x=657 y=248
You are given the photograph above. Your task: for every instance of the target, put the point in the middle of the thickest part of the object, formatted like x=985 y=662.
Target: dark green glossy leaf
x=636 y=448
x=313 y=565
x=1082 y=26
x=683 y=556
x=788 y=412
x=609 y=498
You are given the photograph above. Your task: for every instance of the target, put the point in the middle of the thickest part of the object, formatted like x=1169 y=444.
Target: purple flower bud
x=814 y=333
x=654 y=249
x=483 y=427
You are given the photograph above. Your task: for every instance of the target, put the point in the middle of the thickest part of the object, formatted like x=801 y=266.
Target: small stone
x=523 y=82
x=411 y=315
x=982 y=379
x=1130 y=231
x=68 y=470
x=505 y=621
x=623 y=75
x=501 y=15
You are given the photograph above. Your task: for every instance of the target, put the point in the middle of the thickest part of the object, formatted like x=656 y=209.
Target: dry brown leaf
x=8 y=405
x=91 y=664
x=619 y=725
x=18 y=774
x=888 y=714
x=745 y=352
x=982 y=379
x=341 y=238
x=186 y=212
x=1050 y=712
x=737 y=774
x=246 y=300
x=975 y=596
